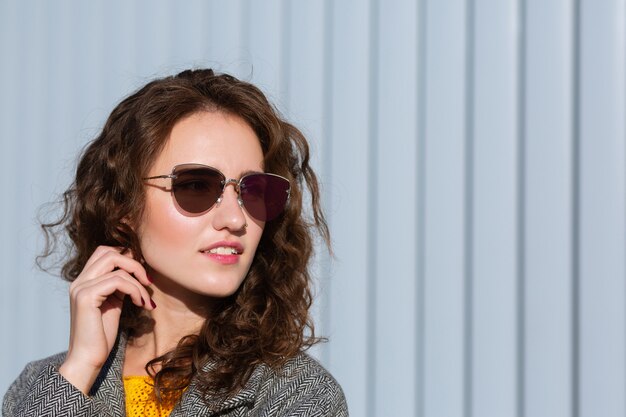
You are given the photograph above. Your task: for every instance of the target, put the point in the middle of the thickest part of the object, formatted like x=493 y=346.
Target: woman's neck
x=173 y=320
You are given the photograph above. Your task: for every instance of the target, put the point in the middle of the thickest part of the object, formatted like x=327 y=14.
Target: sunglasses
x=197 y=188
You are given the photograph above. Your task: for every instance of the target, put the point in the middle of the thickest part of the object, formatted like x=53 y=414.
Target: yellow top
x=141 y=400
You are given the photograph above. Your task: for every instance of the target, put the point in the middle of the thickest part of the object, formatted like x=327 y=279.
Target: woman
x=189 y=288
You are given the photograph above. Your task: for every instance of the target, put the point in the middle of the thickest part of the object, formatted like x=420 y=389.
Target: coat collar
x=192 y=402
x=109 y=385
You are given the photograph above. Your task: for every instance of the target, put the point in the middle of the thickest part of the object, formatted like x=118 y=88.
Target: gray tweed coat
x=303 y=388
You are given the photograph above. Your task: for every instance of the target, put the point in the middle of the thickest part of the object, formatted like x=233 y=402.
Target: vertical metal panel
x=548 y=208
x=468 y=212
x=121 y=52
x=87 y=66
x=395 y=245
x=420 y=202
x=53 y=160
x=494 y=273
x=154 y=32
x=372 y=217
x=190 y=34
x=227 y=37
x=264 y=28
x=348 y=212
x=602 y=208
x=61 y=130
x=32 y=122
x=304 y=102
x=350 y=74
x=444 y=231
x=10 y=361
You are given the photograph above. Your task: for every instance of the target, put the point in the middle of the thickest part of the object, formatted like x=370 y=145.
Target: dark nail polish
x=152 y=303
x=150 y=278
x=143 y=302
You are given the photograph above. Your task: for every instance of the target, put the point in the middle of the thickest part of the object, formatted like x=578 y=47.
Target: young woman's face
x=191 y=255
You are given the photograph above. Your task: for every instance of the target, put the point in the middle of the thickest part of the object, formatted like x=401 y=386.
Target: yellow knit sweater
x=141 y=400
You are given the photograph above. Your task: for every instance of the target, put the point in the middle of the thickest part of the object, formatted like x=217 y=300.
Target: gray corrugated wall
x=472 y=155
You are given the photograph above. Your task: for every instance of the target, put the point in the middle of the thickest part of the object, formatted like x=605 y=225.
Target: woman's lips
x=222 y=259
x=225 y=253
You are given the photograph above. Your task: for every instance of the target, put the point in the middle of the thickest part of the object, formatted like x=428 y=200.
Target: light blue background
x=472 y=156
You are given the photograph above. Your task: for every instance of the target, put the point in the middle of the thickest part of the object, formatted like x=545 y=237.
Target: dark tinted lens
x=197 y=189
x=264 y=195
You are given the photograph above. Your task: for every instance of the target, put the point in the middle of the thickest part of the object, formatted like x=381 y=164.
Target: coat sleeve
x=325 y=399
x=302 y=389
x=40 y=390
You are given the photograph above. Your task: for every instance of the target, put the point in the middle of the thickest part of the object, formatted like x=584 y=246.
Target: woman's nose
x=228 y=211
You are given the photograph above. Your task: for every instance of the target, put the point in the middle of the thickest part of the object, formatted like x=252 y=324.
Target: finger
x=140 y=296
x=99 y=252
x=110 y=292
x=111 y=260
x=130 y=254
x=96 y=291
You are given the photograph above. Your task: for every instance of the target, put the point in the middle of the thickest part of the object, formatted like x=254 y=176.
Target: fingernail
x=152 y=303
x=143 y=302
x=150 y=278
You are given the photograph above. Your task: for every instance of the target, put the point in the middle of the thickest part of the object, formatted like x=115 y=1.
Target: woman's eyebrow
x=248 y=172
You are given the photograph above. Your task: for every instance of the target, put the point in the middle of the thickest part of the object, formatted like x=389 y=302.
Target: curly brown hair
x=267 y=319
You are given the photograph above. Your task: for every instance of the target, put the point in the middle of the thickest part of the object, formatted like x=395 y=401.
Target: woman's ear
x=128 y=231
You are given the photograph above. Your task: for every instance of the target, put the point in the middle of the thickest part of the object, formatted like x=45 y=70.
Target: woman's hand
x=96 y=299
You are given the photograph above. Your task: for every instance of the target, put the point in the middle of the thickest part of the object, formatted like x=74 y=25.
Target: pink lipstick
x=225 y=253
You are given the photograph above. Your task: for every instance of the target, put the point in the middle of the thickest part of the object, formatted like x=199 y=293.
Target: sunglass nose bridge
x=232 y=181
x=235 y=184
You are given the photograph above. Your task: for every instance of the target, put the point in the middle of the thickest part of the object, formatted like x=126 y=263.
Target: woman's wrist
x=81 y=376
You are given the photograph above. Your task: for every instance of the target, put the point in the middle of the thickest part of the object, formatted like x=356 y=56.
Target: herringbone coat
x=303 y=388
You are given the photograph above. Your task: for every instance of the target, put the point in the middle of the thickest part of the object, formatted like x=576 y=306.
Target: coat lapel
x=109 y=389
x=109 y=386
x=192 y=403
